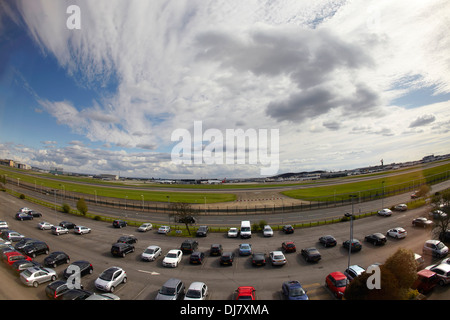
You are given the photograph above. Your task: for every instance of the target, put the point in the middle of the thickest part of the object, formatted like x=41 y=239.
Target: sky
x=103 y=86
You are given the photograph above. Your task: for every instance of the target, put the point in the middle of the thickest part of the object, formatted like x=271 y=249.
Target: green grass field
x=364 y=188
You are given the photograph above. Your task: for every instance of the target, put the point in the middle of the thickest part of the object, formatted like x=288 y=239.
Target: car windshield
x=171 y=255
x=107 y=275
x=150 y=251
x=278 y=257
x=296 y=292
x=245 y=298
x=167 y=291
x=27 y=273
x=193 y=294
x=341 y=283
x=440 y=245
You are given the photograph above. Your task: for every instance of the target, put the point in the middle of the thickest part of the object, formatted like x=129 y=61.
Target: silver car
x=145 y=227
x=35 y=276
x=151 y=253
x=110 y=279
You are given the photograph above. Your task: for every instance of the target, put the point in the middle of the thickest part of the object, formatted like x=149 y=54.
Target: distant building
x=56 y=171
x=22 y=166
x=108 y=177
x=7 y=162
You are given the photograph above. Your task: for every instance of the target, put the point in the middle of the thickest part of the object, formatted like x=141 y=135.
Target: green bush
x=66 y=208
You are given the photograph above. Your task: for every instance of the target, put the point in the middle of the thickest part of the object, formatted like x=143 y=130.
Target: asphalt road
x=145 y=278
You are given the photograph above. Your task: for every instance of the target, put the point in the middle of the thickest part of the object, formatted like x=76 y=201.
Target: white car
x=35 y=276
x=398 y=233
x=25 y=210
x=44 y=225
x=401 y=207
x=385 y=212
x=172 y=258
x=4 y=225
x=277 y=258
x=267 y=231
x=145 y=227
x=151 y=253
x=110 y=279
x=164 y=229
x=81 y=230
x=233 y=233
x=196 y=291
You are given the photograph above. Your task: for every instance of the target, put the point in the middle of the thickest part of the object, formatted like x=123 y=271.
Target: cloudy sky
x=345 y=83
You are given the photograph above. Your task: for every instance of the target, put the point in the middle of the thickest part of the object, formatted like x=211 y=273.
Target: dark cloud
x=422 y=120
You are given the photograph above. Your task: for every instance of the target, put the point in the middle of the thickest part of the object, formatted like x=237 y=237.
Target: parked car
x=196 y=291
x=22 y=265
x=172 y=258
x=67 y=224
x=437 y=215
x=245 y=293
x=311 y=254
x=289 y=246
x=121 y=249
x=337 y=283
x=145 y=227
x=422 y=222
x=353 y=271
x=202 y=231
x=268 y=231
x=56 y=289
x=44 y=225
x=233 y=233
x=23 y=242
x=277 y=258
x=376 y=238
x=197 y=257
x=293 y=290
x=354 y=243
x=189 y=246
x=442 y=271
x=119 y=224
x=59 y=230
x=23 y=216
x=288 y=229
x=245 y=249
x=435 y=248
x=259 y=259
x=110 y=279
x=172 y=289
x=328 y=241
x=385 y=212
x=151 y=253
x=25 y=210
x=36 y=248
x=81 y=230
x=56 y=258
x=426 y=281
x=227 y=258
x=35 y=214
x=36 y=275
x=398 y=233
x=127 y=239
x=84 y=267
x=3 y=225
x=13 y=236
x=164 y=230
x=216 y=249
x=76 y=294
x=103 y=296
x=12 y=256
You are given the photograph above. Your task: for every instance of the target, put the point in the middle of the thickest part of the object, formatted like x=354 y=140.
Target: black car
x=23 y=242
x=226 y=259
x=311 y=254
x=187 y=219
x=127 y=239
x=189 y=246
x=36 y=248
x=202 y=231
x=328 y=241
x=84 y=267
x=56 y=258
x=119 y=224
x=354 y=245
x=422 y=222
x=288 y=229
x=76 y=294
x=216 y=249
x=259 y=259
x=35 y=214
x=67 y=224
x=376 y=238
x=56 y=289
x=197 y=257
x=121 y=249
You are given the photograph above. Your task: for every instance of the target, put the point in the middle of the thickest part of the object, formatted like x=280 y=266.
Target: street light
x=142 y=196
x=351 y=216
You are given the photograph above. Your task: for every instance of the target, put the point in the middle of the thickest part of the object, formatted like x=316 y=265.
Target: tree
x=184 y=213
x=403 y=265
x=82 y=206
x=441 y=201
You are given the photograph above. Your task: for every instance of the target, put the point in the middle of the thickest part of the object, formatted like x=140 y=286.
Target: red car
x=13 y=256
x=245 y=293
x=289 y=246
x=336 y=282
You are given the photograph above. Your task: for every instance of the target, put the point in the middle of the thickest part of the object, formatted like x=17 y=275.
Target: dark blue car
x=293 y=290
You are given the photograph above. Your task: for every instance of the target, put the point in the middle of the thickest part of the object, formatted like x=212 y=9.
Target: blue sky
x=346 y=84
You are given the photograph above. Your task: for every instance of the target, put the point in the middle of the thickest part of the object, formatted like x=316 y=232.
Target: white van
x=246 y=229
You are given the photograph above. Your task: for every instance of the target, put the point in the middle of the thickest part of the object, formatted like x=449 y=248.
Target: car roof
x=338 y=275
x=197 y=285
x=172 y=282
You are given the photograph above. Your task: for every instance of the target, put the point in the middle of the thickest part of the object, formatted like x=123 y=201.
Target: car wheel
x=46 y=251
x=35 y=284
x=124 y=280
x=54 y=265
x=33 y=255
x=68 y=261
x=111 y=289
x=53 y=278
x=123 y=255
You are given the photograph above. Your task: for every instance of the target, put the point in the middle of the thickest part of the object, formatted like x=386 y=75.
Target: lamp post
x=142 y=196
x=351 y=216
